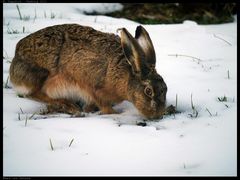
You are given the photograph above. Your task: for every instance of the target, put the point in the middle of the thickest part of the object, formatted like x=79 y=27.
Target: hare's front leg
x=104 y=103
x=106 y=107
x=108 y=110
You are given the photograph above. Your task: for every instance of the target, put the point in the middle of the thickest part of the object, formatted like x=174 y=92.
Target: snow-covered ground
x=185 y=144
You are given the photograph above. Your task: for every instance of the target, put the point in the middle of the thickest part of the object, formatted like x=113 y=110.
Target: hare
x=69 y=63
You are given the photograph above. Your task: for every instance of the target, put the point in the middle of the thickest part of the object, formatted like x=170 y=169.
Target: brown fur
x=63 y=64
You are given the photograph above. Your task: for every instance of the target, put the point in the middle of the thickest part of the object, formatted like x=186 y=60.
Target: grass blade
x=209 y=112
x=51 y=144
x=176 y=101
x=192 y=103
x=19 y=12
x=26 y=120
x=71 y=142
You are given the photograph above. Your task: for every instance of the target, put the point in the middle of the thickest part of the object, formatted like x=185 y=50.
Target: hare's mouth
x=152 y=113
x=164 y=111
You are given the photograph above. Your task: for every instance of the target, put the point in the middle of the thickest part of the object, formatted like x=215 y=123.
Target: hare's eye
x=148 y=91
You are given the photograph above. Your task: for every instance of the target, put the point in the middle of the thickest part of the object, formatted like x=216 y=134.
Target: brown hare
x=69 y=63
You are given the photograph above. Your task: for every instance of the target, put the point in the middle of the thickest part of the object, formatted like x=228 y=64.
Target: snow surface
x=112 y=145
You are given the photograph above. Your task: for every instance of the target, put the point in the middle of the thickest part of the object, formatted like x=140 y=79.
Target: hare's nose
x=163 y=98
x=153 y=104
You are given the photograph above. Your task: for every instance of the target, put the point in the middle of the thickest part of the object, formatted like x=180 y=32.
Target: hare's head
x=146 y=88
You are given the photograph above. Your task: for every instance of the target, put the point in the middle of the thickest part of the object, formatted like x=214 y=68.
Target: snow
x=114 y=145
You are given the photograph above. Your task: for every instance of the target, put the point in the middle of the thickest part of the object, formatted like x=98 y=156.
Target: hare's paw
x=88 y=108
x=78 y=114
x=62 y=106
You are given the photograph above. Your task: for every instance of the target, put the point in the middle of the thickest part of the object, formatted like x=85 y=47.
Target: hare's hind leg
x=26 y=77
x=56 y=105
x=28 y=80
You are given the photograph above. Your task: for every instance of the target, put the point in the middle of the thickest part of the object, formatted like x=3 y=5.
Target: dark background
x=167 y=13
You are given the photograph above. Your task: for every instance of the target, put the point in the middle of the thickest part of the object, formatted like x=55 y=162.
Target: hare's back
x=41 y=47
x=45 y=46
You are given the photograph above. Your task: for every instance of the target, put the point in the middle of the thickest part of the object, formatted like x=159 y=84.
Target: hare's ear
x=132 y=51
x=143 y=39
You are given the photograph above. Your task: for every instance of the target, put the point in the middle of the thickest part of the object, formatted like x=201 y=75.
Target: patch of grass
x=6 y=86
x=226 y=105
x=12 y=31
x=222 y=99
x=6 y=54
x=6 y=57
x=194 y=114
x=26 y=117
x=168 y=13
x=24 y=18
x=9 y=61
x=52 y=15
x=171 y=110
x=143 y=124
x=32 y=115
x=211 y=113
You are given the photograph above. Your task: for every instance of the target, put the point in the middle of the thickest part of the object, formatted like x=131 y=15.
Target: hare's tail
x=27 y=77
